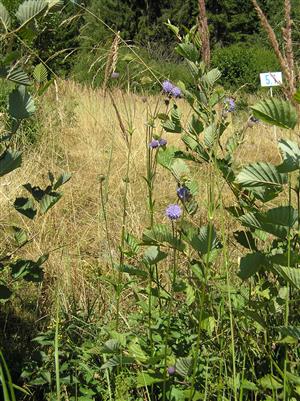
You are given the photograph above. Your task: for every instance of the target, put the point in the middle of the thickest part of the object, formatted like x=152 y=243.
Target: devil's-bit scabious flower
x=115 y=75
x=229 y=104
x=154 y=144
x=162 y=142
x=171 y=370
x=184 y=194
x=173 y=212
x=167 y=87
x=176 y=92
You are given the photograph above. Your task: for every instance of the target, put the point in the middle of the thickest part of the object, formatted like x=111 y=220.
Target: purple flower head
x=173 y=212
x=171 y=370
x=229 y=104
x=162 y=142
x=176 y=92
x=154 y=144
x=115 y=75
x=184 y=194
x=167 y=87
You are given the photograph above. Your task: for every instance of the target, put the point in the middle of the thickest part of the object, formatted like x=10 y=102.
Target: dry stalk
x=286 y=60
x=112 y=59
x=204 y=32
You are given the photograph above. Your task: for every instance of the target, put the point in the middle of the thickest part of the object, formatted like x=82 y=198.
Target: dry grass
x=82 y=135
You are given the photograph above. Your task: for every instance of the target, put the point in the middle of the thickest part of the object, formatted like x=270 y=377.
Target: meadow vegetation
x=149 y=230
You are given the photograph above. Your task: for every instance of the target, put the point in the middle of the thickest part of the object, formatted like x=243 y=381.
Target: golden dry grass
x=81 y=134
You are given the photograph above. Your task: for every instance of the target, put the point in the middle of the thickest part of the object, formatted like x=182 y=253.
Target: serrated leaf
x=144 y=379
x=40 y=73
x=64 y=178
x=211 y=77
x=276 y=112
x=251 y=264
x=188 y=51
x=179 y=169
x=173 y=124
x=136 y=351
x=20 y=236
x=14 y=74
x=161 y=234
x=117 y=360
x=184 y=366
x=21 y=104
x=210 y=136
x=30 y=9
x=9 y=161
x=5 y=17
x=290 y=274
x=291 y=156
x=154 y=255
x=261 y=174
x=25 y=206
x=49 y=200
x=291 y=331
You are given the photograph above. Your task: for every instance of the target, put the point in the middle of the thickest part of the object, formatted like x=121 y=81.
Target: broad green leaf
x=131 y=270
x=179 y=169
x=184 y=366
x=9 y=161
x=281 y=215
x=135 y=351
x=27 y=269
x=261 y=174
x=206 y=241
x=4 y=17
x=291 y=156
x=20 y=236
x=291 y=331
x=30 y=9
x=49 y=200
x=251 y=264
x=21 y=104
x=14 y=74
x=290 y=274
x=211 y=77
x=165 y=157
x=257 y=221
x=117 y=360
x=188 y=51
x=173 y=124
x=245 y=238
x=25 y=206
x=154 y=255
x=40 y=73
x=65 y=177
x=270 y=382
x=160 y=234
x=195 y=126
x=210 y=136
x=145 y=379
x=276 y=112
x=111 y=346
x=5 y=292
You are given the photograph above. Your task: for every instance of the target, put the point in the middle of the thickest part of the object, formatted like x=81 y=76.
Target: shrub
x=241 y=64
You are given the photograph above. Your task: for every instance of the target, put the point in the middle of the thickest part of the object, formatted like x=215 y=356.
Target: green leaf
x=251 y=264
x=40 y=73
x=28 y=270
x=154 y=255
x=30 y=9
x=165 y=157
x=131 y=270
x=290 y=274
x=179 y=169
x=20 y=235
x=9 y=161
x=211 y=77
x=173 y=124
x=291 y=331
x=135 y=351
x=49 y=200
x=160 y=233
x=65 y=177
x=211 y=136
x=144 y=379
x=291 y=156
x=261 y=174
x=270 y=382
x=5 y=17
x=184 y=366
x=5 y=292
x=195 y=126
x=206 y=241
x=276 y=112
x=297 y=96
x=21 y=104
x=117 y=360
x=188 y=51
x=25 y=206
x=245 y=238
x=14 y=74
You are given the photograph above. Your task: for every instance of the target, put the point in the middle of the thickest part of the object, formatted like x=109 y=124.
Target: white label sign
x=271 y=78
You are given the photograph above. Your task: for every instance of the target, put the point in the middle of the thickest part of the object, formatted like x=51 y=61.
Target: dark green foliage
x=241 y=64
